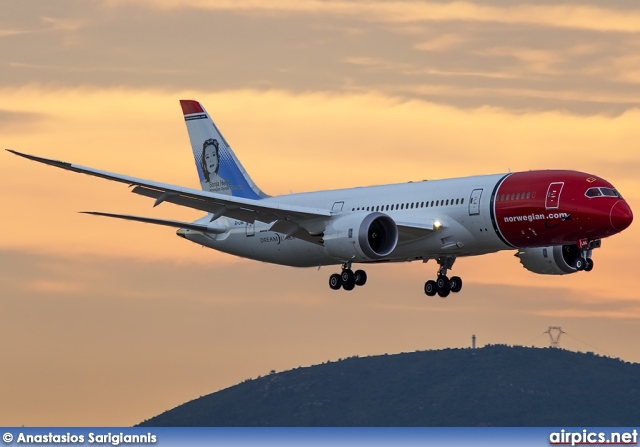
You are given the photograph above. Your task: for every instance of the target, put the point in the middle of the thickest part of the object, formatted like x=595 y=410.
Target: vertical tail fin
x=219 y=169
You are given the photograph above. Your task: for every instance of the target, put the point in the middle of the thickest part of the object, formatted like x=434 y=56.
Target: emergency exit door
x=552 y=200
x=474 y=202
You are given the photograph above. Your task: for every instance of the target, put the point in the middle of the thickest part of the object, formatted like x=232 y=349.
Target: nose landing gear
x=584 y=261
x=443 y=285
x=348 y=279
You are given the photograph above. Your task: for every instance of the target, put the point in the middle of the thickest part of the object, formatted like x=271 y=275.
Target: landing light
x=437 y=225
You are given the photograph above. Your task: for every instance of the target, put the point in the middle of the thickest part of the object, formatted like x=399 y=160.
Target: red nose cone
x=621 y=216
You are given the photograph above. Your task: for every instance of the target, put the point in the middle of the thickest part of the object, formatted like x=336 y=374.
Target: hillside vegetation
x=491 y=386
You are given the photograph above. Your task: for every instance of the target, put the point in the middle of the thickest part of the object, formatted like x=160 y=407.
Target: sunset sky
x=104 y=322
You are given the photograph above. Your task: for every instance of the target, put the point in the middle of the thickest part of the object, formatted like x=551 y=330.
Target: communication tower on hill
x=554 y=335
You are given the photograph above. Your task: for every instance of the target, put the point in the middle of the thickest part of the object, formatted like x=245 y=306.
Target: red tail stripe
x=189 y=106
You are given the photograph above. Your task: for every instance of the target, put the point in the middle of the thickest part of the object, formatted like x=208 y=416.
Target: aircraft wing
x=286 y=217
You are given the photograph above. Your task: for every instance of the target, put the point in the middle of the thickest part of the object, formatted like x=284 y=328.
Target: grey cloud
x=216 y=50
x=10 y=118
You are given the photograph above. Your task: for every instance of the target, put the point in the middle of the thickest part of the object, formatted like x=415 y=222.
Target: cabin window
x=528 y=195
x=461 y=201
x=518 y=196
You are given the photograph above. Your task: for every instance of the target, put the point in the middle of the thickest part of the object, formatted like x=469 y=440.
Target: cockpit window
x=601 y=192
x=593 y=192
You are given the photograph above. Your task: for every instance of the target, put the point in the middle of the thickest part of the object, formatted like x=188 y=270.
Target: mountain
x=493 y=386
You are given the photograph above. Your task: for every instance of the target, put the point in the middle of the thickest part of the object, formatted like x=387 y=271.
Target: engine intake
x=554 y=260
x=361 y=236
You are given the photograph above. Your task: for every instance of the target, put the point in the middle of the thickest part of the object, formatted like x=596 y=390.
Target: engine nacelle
x=555 y=260
x=361 y=236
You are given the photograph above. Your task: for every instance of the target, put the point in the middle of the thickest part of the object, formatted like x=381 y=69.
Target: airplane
x=553 y=219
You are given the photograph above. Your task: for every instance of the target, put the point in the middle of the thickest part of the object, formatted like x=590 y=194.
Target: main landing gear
x=443 y=285
x=348 y=279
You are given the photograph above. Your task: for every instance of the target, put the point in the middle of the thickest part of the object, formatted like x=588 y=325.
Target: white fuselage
x=462 y=205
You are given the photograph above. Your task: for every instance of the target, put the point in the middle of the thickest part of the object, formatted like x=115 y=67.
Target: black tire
x=335 y=282
x=348 y=279
x=579 y=265
x=455 y=284
x=443 y=286
x=349 y=286
x=430 y=288
x=443 y=293
x=588 y=265
x=360 y=277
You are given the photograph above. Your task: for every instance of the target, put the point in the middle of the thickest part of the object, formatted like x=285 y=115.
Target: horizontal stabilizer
x=167 y=223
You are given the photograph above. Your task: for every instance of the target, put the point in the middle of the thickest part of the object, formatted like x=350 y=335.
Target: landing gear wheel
x=348 y=279
x=335 y=282
x=580 y=264
x=443 y=285
x=442 y=282
x=455 y=284
x=430 y=288
x=588 y=265
x=360 y=277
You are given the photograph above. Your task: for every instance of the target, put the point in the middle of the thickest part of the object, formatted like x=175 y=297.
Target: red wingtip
x=189 y=106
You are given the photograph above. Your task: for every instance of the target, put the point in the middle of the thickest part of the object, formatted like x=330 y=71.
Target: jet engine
x=555 y=260
x=360 y=236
